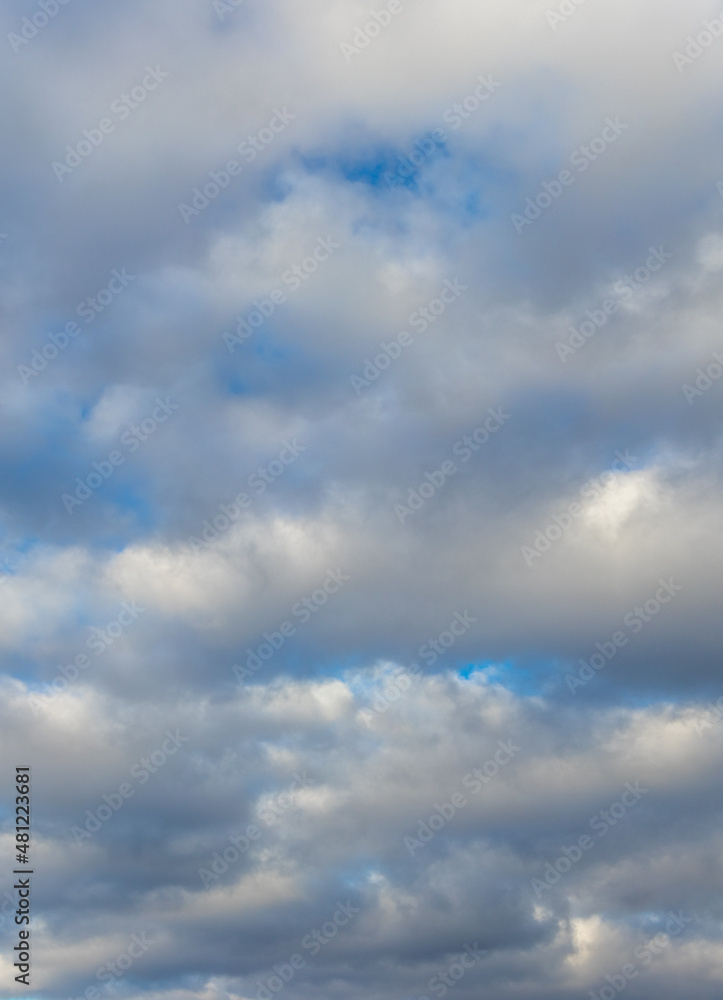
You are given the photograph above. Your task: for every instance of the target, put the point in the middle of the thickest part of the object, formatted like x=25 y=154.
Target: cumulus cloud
x=362 y=388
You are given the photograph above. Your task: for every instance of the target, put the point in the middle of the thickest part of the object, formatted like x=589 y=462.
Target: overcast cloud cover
x=361 y=499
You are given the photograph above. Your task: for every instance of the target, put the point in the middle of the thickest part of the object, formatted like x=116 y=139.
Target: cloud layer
x=361 y=528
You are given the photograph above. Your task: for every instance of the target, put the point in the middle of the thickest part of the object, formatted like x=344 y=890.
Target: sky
x=361 y=386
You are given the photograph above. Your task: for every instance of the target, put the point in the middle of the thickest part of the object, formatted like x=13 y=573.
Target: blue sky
x=317 y=533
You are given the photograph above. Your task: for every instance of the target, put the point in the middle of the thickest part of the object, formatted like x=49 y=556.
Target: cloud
x=364 y=785
x=289 y=286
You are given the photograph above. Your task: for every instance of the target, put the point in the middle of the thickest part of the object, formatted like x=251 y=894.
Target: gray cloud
x=349 y=403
